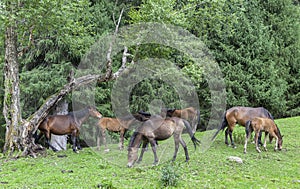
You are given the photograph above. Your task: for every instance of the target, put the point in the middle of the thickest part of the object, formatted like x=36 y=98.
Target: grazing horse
x=66 y=124
x=114 y=125
x=190 y=114
x=156 y=129
x=263 y=124
x=118 y=125
x=240 y=115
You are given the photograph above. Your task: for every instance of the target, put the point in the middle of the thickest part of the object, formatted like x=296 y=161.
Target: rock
x=236 y=159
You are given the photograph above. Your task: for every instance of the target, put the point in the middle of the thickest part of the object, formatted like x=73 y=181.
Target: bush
x=169 y=176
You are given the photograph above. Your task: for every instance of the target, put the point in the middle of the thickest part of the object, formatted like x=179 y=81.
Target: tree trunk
x=11 y=107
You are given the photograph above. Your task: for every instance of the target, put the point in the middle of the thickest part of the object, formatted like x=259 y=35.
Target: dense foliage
x=256 y=44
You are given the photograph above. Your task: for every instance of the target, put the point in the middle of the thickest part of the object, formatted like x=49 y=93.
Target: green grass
x=206 y=168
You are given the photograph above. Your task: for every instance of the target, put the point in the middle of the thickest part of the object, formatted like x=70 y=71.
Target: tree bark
x=11 y=107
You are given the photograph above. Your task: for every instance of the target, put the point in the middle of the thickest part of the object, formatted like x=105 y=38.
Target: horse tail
x=247 y=127
x=196 y=121
x=224 y=124
x=190 y=132
x=268 y=114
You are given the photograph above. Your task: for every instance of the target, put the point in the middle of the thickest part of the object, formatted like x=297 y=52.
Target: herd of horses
x=154 y=128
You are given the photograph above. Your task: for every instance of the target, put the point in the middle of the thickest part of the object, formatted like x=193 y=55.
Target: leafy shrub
x=169 y=176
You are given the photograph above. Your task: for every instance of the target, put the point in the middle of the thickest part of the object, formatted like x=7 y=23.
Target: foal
x=263 y=124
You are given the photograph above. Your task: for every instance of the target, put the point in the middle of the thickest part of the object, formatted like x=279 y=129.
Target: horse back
x=158 y=128
x=111 y=124
x=264 y=124
x=59 y=124
x=187 y=113
x=242 y=114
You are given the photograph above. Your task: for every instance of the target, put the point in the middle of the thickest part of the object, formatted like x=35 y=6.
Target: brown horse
x=240 y=115
x=66 y=124
x=156 y=129
x=191 y=114
x=118 y=125
x=263 y=124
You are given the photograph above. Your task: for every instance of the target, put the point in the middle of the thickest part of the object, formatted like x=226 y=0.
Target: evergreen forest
x=255 y=43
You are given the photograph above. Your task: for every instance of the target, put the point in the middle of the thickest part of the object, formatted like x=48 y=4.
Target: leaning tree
x=19 y=131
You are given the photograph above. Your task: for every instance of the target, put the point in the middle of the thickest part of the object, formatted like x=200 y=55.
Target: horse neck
x=81 y=115
x=278 y=132
x=135 y=140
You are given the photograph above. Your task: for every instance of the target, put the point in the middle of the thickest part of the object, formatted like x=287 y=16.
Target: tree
x=256 y=44
x=19 y=131
x=11 y=109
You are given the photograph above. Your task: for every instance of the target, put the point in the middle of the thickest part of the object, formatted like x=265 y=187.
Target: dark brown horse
x=263 y=124
x=240 y=115
x=118 y=125
x=156 y=129
x=66 y=124
x=191 y=114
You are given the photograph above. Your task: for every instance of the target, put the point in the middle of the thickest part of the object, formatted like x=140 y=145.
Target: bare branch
x=108 y=56
x=124 y=62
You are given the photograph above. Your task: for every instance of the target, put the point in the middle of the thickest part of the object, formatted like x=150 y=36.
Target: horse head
x=93 y=112
x=132 y=156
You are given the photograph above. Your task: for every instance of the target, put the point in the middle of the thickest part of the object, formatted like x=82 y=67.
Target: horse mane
x=278 y=131
x=144 y=113
x=133 y=136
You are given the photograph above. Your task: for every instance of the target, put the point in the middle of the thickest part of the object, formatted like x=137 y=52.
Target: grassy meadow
x=208 y=166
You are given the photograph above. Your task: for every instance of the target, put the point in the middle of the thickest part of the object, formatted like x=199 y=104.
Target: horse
x=240 y=115
x=190 y=114
x=118 y=125
x=263 y=124
x=66 y=124
x=142 y=116
x=156 y=129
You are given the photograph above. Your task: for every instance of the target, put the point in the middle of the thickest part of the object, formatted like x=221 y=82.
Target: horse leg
x=256 y=141
x=78 y=143
x=73 y=138
x=176 y=141
x=104 y=139
x=259 y=138
x=265 y=141
x=230 y=136
x=226 y=136
x=38 y=137
x=121 y=143
x=98 y=139
x=47 y=136
x=247 y=136
x=153 y=145
x=276 y=143
x=142 y=152
x=183 y=144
